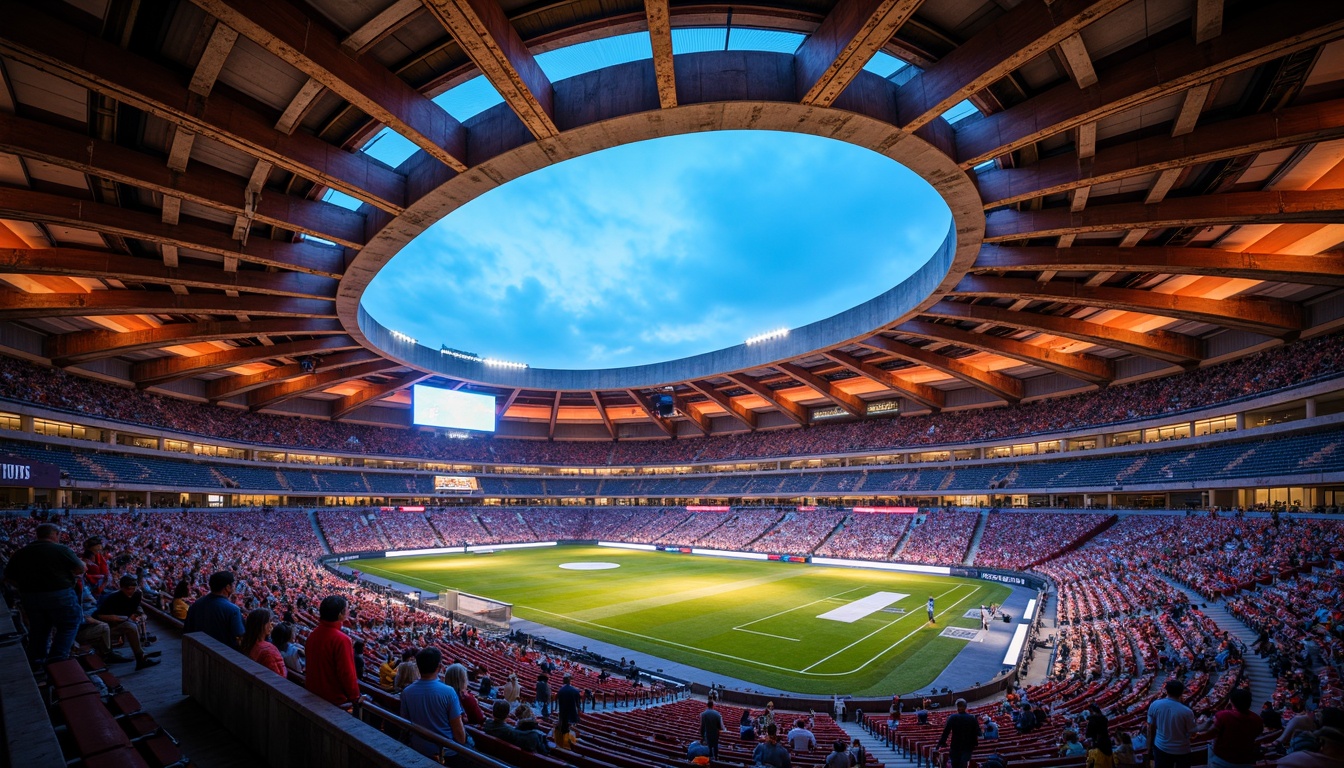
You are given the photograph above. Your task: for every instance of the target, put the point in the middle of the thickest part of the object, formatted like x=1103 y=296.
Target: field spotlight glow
x=761 y=338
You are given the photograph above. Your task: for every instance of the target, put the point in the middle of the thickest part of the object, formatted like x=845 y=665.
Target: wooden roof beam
x=486 y=35
x=743 y=415
x=927 y=396
x=16 y=305
x=99 y=343
x=503 y=408
x=658 y=421
x=1028 y=30
x=77 y=262
x=1161 y=345
x=231 y=386
x=659 y=17
x=1003 y=387
x=1325 y=269
x=1094 y=370
x=832 y=56
x=1287 y=207
x=28 y=205
x=794 y=411
x=371 y=394
x=854 y=406
x=602 y=411
x=44 y=42
x=205 y=184
x=274 y=394
x=555 y=414
x=379 y=27
x=1270 y=317
x=310 y=46
x=1291 y=127
x=1261 y=34
x=162 y=370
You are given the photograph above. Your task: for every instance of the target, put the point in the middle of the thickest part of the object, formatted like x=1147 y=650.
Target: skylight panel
x=884 y=64
x=960 y=112
x=390 y=147
x=698 y=39
x=337 y=197
x=593 y=55
x=771 y=40
x=469 y=99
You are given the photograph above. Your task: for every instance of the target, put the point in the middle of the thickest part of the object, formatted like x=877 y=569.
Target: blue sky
x=662 y=249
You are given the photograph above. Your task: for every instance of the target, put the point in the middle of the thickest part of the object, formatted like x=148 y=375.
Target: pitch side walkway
x=981 y=660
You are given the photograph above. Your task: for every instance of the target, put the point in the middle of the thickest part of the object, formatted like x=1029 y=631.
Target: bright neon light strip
x=727 y=553
x=527 y=545
x=1015 y=647
x=939 y=570
x=619 y=545
x=398 y=335
x=778 y=333
x=435 y=551
x=502 y=363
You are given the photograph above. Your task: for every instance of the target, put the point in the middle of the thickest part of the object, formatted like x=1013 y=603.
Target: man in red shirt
x=331 y=656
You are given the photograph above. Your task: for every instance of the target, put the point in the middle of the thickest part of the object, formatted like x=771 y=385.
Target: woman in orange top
x=255 y=645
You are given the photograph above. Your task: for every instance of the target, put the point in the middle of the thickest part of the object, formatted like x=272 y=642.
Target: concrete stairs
x=875 y=746
x=974 y=548
x=317 y=529
x=1256 y=669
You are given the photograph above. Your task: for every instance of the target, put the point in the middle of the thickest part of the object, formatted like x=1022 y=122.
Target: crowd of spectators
x=1274 y=369
x=1022 y=539
x=350 y=531
x=943 y=538
x=799 y=532
x=867 y=536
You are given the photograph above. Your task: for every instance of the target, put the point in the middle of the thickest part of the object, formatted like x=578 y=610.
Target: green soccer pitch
x=753 y=620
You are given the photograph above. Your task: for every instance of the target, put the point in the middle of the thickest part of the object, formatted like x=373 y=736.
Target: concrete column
x=110 y=436
x=163 y=443
x=1311 y=407
x=25 y=423
x=1110 y=501
x=1241 y=421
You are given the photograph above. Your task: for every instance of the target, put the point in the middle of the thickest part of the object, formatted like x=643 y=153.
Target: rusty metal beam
x=663 y=424
x=24 y=306
x=204 y=184
x=357 y=400
x=1160 y=345
x=854 y=406
x=382 y=25
x=503 y=408
x=76 y=262
x=1271 y=317
x=659 y=17
x=927 y=396
x=1294 y=126
x=1020 y=35
x=1325 y=269
x=288 y=32
x=1304 y=206
x=795 y=412
x=165 y=369
x=698 y=420
x=1095 y=370
x=44 y=207
x=602 y=411
x=1260 y=35
x=485 y=34
x=274 y=394
x=745 y=416
x=222 y=389
x=99 y=343
x=832 y=56
x=44 y=42
x=1005 y=388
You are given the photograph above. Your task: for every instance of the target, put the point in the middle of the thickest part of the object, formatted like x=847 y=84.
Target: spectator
x=1328 y=754
x=181 y=601
x=964 y=730
x=1170 y=726
x=97 y=571
x=498 y=724
x=120 y=611
x=1235 y=733
x=1124 y=750
x=1071 y=747
x=839 y=756
x=991 y=730
x=800 y=739
x=770 y=752
x=564 y=735
x=569 y=700
x=432 y=705
x=511 y=690
x=357 y=654
x=1101 y=754
x=45 y=573
x=331 y=656
x=282 y=637
x=746 y=726
x=407 y=672
x=711 y=725
x=260 y=623
x=94 y=632
x=857 y=754
x=215 y=614
x=697 y=753
x=1098 y=725
x=1270 y=717
x=387 y=671
x=530 y=737
x=543 y=697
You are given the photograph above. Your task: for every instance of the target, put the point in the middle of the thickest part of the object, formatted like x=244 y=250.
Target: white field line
x=799 y=607
x=766 y=634
x=887 y=650
x=882 y=628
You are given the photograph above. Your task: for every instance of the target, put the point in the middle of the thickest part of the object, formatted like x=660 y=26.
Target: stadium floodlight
x=399 y=336
x=502 y=363
x=460 y=355
x=778 y=333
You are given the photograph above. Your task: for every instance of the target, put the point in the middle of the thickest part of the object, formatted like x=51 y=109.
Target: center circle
x=662 y=249
x=589 y=566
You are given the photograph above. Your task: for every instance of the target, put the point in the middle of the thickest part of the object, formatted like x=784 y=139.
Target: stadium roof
x=1141 y=187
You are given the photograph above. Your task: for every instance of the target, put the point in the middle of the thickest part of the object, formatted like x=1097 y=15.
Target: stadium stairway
x=979 y=534
x=875 y=746
x=317 y=529
x=1256 y=669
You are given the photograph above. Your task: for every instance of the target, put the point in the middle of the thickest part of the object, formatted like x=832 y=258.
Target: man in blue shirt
x=215 y=614
x=929 y=608
x=433 y=705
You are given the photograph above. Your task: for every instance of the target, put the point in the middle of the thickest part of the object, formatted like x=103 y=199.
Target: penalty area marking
x=589 y=566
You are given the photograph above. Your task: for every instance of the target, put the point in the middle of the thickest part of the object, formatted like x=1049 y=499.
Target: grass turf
x=756 y=621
